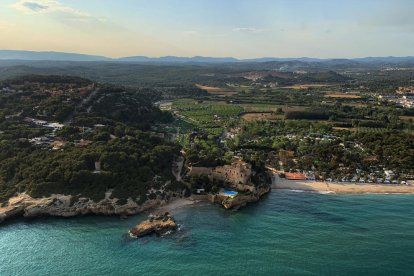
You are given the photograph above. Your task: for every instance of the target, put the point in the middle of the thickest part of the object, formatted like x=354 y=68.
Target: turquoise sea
x=286 y=233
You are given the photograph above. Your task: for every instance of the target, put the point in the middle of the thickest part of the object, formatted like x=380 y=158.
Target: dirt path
x=177 y=168
x=85 y=101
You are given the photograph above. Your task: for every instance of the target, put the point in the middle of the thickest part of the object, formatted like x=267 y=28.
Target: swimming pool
x=230 y=193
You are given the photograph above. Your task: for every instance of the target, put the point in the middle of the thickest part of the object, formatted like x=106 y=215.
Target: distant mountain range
x=61 y=56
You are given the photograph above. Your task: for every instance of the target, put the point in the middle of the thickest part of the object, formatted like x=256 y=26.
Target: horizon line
x=202 y=56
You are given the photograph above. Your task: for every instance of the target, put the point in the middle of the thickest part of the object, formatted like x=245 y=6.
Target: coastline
x=340 y=188
x=22 y=205
x=176 y=204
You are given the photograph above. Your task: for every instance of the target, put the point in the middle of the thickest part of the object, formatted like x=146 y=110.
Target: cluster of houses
x=54 y=126
x=405 y=90
x=384 y=177
x=376 y=174
x=50 y=140
x=56 y=143
x=406 y=101
x=9 y=90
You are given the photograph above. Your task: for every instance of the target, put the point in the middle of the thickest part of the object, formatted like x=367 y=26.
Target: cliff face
x=66 y=206
x=241 y=200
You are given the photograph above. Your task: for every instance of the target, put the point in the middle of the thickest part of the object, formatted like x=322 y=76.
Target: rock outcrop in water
x=69 y=206
x=158 y=224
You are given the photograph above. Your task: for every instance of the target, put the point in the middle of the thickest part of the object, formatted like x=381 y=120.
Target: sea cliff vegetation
x=67 y=135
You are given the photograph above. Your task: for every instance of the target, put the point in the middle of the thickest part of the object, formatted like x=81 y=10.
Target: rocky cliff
x=68 y=206
x=241 y=200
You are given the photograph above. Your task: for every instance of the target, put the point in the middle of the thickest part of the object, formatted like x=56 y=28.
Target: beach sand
x=341 y=188
x=176 y=204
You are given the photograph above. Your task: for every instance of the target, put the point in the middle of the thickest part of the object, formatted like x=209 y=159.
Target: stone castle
x=238 y=174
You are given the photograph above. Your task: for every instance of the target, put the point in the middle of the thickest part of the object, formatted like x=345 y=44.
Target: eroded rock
x=158 y=224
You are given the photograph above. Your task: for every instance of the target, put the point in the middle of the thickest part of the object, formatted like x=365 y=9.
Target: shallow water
x=285 y=233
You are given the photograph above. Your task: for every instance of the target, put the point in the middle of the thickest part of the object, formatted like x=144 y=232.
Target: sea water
x=285 y=233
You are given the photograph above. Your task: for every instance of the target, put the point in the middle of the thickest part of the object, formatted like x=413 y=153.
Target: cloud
x=62 y=13
x=247 y=30
x=33 y=6
x=47 y=6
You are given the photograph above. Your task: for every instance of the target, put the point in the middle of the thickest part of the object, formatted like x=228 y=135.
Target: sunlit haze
x=237 y=28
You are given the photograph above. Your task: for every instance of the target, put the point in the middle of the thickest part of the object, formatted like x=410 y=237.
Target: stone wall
x=238 y=173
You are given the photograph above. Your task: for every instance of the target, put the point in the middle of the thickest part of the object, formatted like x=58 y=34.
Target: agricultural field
x=211 y=116
x=249 y=117
x=356 y=104
x=294 y=108
x=306 y=86
x=260 y=107
x=372 y=130
x=352 y=129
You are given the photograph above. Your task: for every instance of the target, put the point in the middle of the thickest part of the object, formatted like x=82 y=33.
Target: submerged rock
x=158 y=224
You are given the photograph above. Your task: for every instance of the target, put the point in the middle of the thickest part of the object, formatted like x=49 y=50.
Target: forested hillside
x=70 y=136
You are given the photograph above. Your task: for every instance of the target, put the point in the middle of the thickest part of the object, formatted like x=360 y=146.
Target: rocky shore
x=69 y=206
x=155 y=224
x=58 y=205
x=241 y=200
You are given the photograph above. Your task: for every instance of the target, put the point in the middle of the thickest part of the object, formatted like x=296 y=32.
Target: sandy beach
x=176 y=204
x=341 y=188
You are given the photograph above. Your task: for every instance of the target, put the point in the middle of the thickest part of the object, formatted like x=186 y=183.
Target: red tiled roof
x=295 y=176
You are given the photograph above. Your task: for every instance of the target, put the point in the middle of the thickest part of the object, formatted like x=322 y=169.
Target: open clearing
x=306 y=86
x=353 y=129
x=218 y=91
x=358 y=105
x=407 y=118
x=294 y=108
x=342 y=95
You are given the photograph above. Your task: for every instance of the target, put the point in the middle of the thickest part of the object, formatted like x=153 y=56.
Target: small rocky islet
x=158 y=224
x=163 y=223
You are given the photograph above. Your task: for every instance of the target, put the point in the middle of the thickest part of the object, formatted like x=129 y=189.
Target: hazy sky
x=238 y=28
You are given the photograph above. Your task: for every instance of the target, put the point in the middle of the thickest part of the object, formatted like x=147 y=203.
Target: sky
x=219 y=28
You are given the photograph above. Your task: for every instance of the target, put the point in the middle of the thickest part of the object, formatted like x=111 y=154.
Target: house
x=283 y=154
x=82 y=143
x=58 y=144
x=97 y=167
x=389 y=173
x=39 y=122
x=55 y=126
x=40 y=141
x=295 y=176
x=310 y=175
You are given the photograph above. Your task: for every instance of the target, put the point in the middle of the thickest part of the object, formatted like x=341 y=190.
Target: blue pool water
x=230 y=193
x=285 y=233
